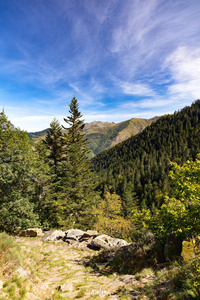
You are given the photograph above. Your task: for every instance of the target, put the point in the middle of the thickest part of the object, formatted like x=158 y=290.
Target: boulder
x=73 y=234
x=54 y=236
x=32 y=232
x=106 y=242
x=89 y=235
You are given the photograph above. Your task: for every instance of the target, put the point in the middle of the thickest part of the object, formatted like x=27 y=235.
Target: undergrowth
x=11 y=254
x=11 y=257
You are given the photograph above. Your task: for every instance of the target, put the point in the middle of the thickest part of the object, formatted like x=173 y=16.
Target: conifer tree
x=53 y=144
x=78 y=182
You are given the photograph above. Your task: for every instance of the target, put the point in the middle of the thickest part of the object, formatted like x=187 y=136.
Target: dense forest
x=137 y=169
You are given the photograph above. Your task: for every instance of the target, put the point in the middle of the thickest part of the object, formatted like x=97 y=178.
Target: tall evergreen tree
x=78 y=182
x=53 y=144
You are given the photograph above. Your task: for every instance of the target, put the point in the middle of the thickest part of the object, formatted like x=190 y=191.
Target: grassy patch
x=11 y=254
x=81 y=293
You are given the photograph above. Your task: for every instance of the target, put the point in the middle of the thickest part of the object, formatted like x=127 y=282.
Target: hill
x=36 y=135
x=103 y=135
x=141 y=163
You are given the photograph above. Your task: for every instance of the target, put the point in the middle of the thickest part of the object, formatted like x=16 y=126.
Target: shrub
x=109 y=217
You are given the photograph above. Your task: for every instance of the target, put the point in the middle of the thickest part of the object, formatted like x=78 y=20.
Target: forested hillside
x=103 y=135
x=140 y=165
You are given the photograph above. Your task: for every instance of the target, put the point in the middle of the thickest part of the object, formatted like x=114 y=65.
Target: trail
x=59 y=271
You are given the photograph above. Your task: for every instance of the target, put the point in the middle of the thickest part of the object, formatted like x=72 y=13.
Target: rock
x=106 y=242
x=89 y=234
x=54 y=236
x=173 y=247
x=74 y=234
x=71 y=241
x=32 y=232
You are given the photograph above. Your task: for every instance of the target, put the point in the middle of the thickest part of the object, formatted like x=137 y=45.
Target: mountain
x=140 y=166
x=36 y=135
x=103 y=135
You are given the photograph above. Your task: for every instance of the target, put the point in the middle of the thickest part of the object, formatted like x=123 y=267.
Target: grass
x=11 y=257
x=144 y=273
x=81 y=293
x=11 y=254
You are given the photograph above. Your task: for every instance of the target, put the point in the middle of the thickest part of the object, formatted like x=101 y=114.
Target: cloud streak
x=110 y=54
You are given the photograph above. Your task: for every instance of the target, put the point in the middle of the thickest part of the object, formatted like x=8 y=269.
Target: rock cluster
x=90 y=238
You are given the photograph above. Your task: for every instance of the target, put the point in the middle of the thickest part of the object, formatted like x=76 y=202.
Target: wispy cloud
x=184 y=65
x=137 y=89
x=111 y=54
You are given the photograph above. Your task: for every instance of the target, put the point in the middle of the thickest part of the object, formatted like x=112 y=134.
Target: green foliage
x=178 y=216
x=53 y=153
x=109 y=217
x=22 y=178
x=70 y=192
x=54 y=145
x=143 y=160
x=179 y=281
x=78 y=181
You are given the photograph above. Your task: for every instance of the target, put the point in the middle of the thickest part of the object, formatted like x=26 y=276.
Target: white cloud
x=138 y=89
x=184 y=65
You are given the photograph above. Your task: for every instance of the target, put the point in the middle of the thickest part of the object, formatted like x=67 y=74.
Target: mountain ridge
x=140 y=164
x=104 y=135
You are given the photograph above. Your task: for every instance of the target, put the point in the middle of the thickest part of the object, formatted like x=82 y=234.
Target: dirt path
x=58 y=272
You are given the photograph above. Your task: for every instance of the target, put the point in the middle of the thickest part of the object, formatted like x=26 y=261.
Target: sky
x=121 y=59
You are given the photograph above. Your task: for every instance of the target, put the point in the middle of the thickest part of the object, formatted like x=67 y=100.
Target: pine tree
x=54 y=146
x=54 y=153
x=78 y=182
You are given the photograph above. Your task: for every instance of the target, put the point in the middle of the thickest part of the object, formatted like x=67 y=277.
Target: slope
x=103 y=135
x=141 y=163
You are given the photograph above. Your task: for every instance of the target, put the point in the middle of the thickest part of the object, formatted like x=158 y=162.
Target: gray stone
x=106 y=242
x=89 y=235
x=74 y=234
x=54 y=236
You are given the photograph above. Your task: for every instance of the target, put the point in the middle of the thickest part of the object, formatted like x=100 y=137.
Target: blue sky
x=120 y=58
